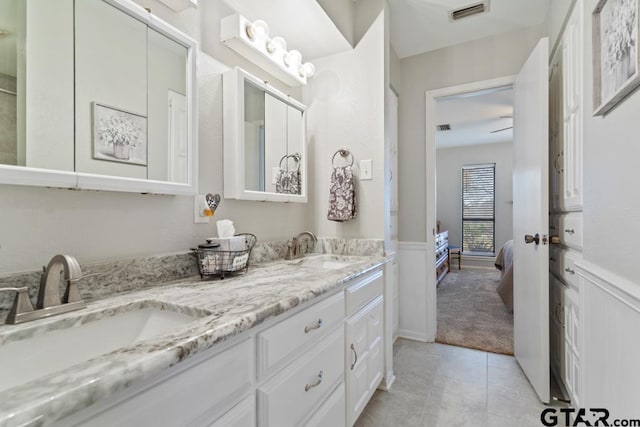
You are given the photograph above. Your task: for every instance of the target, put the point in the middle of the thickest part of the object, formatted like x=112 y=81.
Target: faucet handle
x=21 y=303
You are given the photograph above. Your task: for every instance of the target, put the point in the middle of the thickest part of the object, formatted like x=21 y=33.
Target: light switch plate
x=365 y=170
x=199 y=205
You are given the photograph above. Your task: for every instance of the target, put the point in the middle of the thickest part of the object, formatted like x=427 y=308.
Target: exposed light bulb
x=309 y=69
x=276 y=43
x=257 y=30
x=292 y=58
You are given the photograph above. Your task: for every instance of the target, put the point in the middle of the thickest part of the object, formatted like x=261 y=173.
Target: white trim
x=623 y=290
x=410 y=335
x=430 y=143
x=412 y=246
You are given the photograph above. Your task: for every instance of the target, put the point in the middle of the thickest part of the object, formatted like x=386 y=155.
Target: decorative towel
x=288 y=182
x=342 y=195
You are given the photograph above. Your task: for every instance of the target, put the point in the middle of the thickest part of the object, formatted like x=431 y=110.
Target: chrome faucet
x=294 y=247
x=61 y=268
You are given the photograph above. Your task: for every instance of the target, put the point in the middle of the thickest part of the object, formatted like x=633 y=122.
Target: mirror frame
x=233 y=135
x=24 y=175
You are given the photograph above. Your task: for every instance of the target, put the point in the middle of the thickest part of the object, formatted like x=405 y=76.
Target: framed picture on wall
x=119 y=135
x=616 y=66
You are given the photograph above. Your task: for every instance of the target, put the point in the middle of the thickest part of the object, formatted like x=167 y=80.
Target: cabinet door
x=572 y=77
x=556 y=131
x=556 y=326
x=364 y=357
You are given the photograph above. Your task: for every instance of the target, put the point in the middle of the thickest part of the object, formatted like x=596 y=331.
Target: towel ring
x=295 y=156
x=344 y=152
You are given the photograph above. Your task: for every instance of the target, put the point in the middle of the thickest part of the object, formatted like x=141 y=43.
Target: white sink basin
x=30 y=358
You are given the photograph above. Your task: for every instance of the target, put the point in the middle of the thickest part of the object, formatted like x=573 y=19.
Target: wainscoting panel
x=610 y=371
x=414 y=298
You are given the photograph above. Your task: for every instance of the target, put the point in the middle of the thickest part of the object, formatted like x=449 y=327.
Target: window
x=478 y=208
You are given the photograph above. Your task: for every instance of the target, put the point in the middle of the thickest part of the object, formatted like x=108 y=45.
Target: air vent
x=444 y=127
x=469 y=10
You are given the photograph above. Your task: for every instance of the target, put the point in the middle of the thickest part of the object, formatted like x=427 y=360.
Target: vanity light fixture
x=251 y=39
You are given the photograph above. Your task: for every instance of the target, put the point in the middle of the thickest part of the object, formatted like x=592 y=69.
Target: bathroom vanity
x=287 y=344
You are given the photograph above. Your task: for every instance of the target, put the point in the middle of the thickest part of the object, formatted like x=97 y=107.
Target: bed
x=504 y=263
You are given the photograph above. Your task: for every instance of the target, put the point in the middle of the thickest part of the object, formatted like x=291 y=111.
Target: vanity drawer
x=277 y=343
x=292 y=395
x=331 y=413
x=570 y=229
x=569 y=258
x=363 y=291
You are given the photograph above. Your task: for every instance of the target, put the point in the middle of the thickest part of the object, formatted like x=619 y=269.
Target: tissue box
x=235 y=243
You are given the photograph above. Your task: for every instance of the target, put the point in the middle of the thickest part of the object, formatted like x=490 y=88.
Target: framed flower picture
x=119 y=135
x=616 y=66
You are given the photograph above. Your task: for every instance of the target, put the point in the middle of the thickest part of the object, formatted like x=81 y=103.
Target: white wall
x=449 y=188
x=611 y=153
x=558 y=10
x=481 y=59
x=37 y=223
x=346 y=109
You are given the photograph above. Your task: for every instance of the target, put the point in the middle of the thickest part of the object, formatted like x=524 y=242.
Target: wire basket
x=214 y=262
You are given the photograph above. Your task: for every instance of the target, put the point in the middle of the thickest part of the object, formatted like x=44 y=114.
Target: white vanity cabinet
x=364 y=330
x=297 y=369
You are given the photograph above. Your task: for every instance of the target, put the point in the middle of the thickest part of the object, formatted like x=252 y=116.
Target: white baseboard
x=411 y=335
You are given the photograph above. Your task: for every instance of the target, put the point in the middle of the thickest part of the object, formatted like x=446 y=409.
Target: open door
x=531 y=220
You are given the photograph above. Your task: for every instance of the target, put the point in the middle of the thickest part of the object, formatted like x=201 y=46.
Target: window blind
x=478 y=208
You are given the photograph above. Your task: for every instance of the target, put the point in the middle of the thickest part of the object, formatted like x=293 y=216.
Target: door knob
x=528 y=238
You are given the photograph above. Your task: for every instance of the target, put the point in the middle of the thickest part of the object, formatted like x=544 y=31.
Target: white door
x=531 y=218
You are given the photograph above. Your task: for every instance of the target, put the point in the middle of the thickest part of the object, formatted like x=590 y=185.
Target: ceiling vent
x=444 y=127
x=470 y=10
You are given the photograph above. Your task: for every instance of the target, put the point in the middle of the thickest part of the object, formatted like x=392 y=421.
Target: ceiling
x=419 y=26
x=474 y=116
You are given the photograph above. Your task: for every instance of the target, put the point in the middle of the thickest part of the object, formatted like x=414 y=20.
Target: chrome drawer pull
x=569 y=270
x=353 y=347
x=315 y=384
x=569 y=230
x=316 y=325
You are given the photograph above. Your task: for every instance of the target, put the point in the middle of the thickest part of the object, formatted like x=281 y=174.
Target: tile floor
x=442 y=385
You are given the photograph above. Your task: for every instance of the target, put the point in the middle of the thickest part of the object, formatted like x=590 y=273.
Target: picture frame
x=616 y=59
x=119 y=135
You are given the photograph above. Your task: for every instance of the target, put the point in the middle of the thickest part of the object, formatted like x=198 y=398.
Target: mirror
x=95 y=94
x=265 y=155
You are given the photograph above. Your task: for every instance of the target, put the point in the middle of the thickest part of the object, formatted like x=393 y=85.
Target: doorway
x=474 y=211
x=432 y=98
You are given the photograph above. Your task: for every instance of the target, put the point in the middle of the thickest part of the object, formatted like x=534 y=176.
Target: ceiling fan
x=503 y=129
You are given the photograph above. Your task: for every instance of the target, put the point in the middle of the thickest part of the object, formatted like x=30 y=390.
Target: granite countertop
x=225 y=309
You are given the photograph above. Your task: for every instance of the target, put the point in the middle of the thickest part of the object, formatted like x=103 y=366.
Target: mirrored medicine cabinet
x=95 y=94
x=265 y=155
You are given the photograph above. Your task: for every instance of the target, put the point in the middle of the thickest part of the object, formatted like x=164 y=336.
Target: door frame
x=431 y=97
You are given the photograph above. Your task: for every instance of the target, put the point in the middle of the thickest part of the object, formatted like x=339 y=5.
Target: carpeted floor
x=471 y=313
